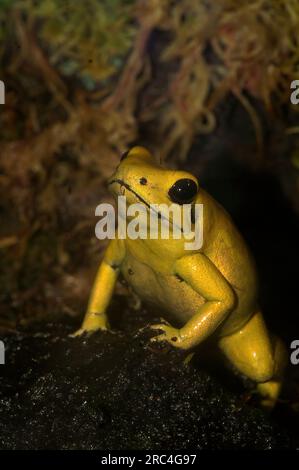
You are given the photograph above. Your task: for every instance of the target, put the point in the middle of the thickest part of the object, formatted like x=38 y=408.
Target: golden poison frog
x=205 y=291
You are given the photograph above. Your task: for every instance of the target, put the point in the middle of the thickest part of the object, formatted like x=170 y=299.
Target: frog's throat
x=128 y=187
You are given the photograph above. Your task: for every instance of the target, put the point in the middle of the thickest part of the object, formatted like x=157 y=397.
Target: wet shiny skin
x=208 y=291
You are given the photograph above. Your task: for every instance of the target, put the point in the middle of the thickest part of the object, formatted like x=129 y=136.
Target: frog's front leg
x=96 y=317
x=203 y=276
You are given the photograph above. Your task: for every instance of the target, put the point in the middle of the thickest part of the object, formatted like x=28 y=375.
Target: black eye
x=124 y=155
x=183 y=191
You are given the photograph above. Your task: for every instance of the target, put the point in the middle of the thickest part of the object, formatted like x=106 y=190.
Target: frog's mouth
x=150 y=207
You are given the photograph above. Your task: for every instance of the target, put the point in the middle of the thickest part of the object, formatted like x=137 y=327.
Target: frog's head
x=141 y=179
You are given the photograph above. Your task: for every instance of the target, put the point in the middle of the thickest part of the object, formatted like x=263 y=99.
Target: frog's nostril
x=143 y=181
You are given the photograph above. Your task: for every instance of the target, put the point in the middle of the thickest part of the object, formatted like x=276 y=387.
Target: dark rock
x=112 y=391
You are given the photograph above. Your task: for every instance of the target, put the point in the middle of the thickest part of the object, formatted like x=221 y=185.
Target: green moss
x=85 y=38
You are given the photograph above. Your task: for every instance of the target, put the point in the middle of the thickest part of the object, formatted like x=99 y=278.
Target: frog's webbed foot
x=170 y=334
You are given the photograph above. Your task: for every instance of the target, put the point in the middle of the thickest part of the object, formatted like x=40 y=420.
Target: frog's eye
x=124 y=155
x=183 y=191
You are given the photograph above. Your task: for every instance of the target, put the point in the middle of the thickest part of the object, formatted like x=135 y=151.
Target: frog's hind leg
x=257 y=356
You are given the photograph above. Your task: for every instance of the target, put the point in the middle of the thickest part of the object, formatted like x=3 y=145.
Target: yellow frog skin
x=212 y=290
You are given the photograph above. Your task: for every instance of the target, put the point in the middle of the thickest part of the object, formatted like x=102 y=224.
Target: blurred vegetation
x=89 y=38
x=84 y=80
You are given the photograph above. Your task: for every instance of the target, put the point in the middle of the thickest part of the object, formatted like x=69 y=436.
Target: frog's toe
x=80 y=332
x=168 y=333
x=161 y=336
x=158 y=338
x=164 y=322
x=157 y=326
